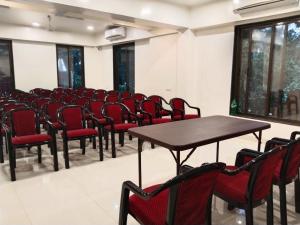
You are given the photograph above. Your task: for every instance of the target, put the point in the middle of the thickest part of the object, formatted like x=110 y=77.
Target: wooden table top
x=188 y=134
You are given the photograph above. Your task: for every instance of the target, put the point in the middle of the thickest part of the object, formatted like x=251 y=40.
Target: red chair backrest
x=95 y=108
x=83 y=101
x=291 y=161
x=72 y=116
x=177 y=103
x=156 y=99
x=40 y=102
x=139 y=97
x=89 y=93
x=112 y=98
x=125 y=94
x=262 y=173
x=52 y=110
x=23 y=122
x=100 y=94
x=69 y=99
x=192 y=200
x=130 y=103
x=150 y=107
x=114 y=111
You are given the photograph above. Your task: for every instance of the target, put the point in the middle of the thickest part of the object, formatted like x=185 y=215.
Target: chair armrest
x=136 y=190
x=146 y=113
x=109 y=120
x=275 y=141
x=185 y=168
x=63 y=125
x=50 y=124
x=5 y=128
x=194 y=107
x=294 y=134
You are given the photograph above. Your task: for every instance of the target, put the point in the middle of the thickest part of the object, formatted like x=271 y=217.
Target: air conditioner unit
x=246 y=6
x=115 y=33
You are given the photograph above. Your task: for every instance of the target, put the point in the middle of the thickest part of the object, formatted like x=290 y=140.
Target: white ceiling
x=189 y=3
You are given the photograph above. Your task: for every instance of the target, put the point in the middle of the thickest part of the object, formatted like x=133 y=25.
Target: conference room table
x=190 y=134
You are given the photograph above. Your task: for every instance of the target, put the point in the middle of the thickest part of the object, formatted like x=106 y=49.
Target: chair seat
x=164 y=112
x=232 y=188
x=122 y=126
x=81 y=133
x=140 y=116
x=151 y=212
x=186 y=116
x=157 y=121
x=102 y=121
x=31 y=139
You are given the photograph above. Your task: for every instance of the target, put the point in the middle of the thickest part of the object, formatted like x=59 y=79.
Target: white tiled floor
x=89 y=192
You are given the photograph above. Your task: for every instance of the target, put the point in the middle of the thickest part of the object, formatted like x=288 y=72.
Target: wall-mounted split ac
x=246 y=6
x=115 y=33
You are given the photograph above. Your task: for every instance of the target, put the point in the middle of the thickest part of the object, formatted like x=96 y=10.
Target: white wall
x=34 y=65
x=156 y=66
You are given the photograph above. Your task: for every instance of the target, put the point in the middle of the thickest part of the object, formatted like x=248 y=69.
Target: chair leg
x=39 y=154
x=270 y=220
x=123 y=213
x=113 y=144
x=121 y=135
x=249 y=216
x=100 y=145
x=283 y=210
x=1 y=149
x=94 y=142
x=54 y=153
x=106 y=139
x=152 y=146
x=83 y=145
x=130 y=137
x=12 y=164
x=66 y=154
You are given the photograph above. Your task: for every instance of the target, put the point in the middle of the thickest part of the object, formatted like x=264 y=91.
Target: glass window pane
x=63 y=67
x=258 y=78
x=76 y=67
x=243 y=70
x=5 y=67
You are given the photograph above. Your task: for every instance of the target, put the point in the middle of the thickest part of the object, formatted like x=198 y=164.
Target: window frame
x=68 y=47
x=11 y=62
x=236 y=66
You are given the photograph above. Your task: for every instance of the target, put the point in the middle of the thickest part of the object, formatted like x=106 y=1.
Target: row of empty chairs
x=187 y=198
x=81 y=118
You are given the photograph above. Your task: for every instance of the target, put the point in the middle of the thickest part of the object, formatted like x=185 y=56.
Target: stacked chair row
x=23 y=115
x=187 y=198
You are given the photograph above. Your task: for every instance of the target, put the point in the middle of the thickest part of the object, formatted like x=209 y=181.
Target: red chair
x=25 y=132
x=100 y=94
x=125 y=94
x=160 y=100
x=114 y=114
x=178 y=108
x=89 y=93
x=184 y=200
x=72 y=121
x=248 y=186
x=5 y=109
x=132 y=105
x=82 y=101
x=69 y=99
x=112 y=98
x=50 y=112
x=150 y=111
x=112 y=92
x=139 y=97
x=287 y=169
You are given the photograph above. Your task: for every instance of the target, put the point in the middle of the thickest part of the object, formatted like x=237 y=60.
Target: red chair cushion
x=151 y=212
x=81 y=133
x=186 y=117
x=122 y=126
x=30 y=139
x=157 y=120
x=233 y=188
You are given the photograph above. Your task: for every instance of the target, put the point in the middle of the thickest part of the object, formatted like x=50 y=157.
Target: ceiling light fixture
x=90 y=28
x=36 y=24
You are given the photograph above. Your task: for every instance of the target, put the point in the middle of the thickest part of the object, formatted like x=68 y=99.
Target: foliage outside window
x=7 y=82
x=70 y=66
x=266 y=72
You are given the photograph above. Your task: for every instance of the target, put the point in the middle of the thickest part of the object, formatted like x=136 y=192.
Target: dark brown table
x=189 y=134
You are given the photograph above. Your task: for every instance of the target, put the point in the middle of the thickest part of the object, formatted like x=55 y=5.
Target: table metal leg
x=217 y=152
x=140 y=148
x=259 y=141
x=178 y=163
x=297 y=194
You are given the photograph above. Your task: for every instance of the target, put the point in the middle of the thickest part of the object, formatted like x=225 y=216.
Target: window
x=7 y=81
x=266 y=72
x=124 y=67
x=70 y=66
